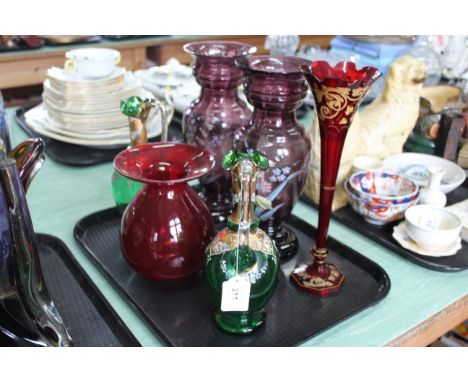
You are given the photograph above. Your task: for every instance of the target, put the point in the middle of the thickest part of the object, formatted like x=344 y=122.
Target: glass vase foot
x=285 y=240
x=239 y=322
x=319 y=278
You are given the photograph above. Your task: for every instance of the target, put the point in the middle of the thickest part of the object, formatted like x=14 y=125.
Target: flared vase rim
x=294 y=66
x=242 y=49
x=163 y=145
x=369 y=74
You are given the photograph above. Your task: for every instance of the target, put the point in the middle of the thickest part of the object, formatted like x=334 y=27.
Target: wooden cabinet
x=25 y=68
x=164 y=52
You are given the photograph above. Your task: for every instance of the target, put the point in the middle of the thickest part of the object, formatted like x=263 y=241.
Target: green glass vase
x=124 y=190
x=242 y=251
x=137 y=110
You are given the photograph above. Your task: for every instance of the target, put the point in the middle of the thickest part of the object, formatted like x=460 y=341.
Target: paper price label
x=236 y=295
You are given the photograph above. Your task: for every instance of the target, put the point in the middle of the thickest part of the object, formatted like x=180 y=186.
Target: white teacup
x=364 y=163
x=92 y=62
x=432 y=227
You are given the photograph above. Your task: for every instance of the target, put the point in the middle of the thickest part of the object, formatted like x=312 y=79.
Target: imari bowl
x=381 y=187
x=378 y=213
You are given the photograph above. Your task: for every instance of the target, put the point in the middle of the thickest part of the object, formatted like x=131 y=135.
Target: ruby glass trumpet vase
x=338 y=92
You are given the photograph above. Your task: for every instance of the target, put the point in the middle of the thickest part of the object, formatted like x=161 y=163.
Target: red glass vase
x=338 y=92
x=167 y=226
x=213 y=118
x=276 y=87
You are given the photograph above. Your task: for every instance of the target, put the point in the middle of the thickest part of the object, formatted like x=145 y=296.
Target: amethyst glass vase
x=276 y=87
x=213 y=118
x=338 y=92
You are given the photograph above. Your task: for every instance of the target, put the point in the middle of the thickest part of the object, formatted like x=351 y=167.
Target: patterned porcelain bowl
x=381 y=187
x=378 y=213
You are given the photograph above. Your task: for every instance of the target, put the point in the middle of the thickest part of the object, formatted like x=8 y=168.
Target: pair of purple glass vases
x=276 y=87
x=219 y=120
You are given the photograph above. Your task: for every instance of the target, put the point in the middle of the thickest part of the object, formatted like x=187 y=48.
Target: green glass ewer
x=241 y=263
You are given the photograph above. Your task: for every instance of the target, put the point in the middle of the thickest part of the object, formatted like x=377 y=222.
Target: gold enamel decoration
x=226 y=241
x=336 y=100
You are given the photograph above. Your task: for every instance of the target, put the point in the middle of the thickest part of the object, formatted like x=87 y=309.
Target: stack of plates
x=87 y=111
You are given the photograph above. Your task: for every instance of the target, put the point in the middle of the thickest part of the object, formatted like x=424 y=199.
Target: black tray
x=90 y=319
x=383 y=235
x=182 y=314
x=76 y=155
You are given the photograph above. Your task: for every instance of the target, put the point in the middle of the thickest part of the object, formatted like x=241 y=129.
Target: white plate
x=130 y=83
x=414 y=166
x=63 y=76
x=41 y=128
x=38 y=123
x=107 y=121
x=109 y=118
x=402 y=237
x=120 y=131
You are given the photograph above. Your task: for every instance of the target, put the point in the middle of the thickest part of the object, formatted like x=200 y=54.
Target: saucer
x=61 y=75
x=401 y=236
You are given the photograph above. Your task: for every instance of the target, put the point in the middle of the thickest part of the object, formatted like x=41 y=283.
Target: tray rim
x=408 y=255
x=384 y=285
x=87 y=285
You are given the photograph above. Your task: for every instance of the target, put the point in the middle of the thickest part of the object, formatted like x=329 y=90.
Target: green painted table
x=421 y=306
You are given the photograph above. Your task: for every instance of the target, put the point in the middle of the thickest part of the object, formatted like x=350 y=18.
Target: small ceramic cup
x=432 y=227
x=92 y=62
x=363 y=163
